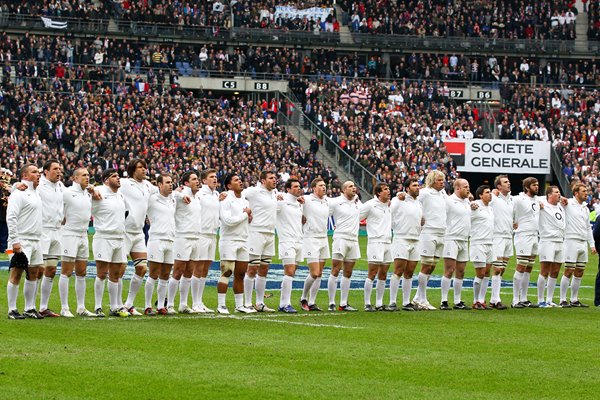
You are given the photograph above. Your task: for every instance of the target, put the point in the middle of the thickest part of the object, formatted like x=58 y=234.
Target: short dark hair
x=480 y=191
x=288 y=183
x=379 y=188
x=133 y=165
x=264 y=173
x=409 y=181
x=527 y=182
x=227 y=180
x=48 y=164
x=498 y=179
x=25 y=169
x=204 y=174
x=107 y=173
x=160 y=178
x=185 y=178
x=316 y=181
x=550 y=189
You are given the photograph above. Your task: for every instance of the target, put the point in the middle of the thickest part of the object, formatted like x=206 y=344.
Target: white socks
x=445 y=284
x=46 y=289
x=344 y=290
x=286 y=291
x=172 y=291
x=80 y=286
x=550 y=289
x=476 y=289
x=541 y=286
x=148 y=292
x=248 y=287
x=113 y=292
x=525 y=285
x=261 y=286
x=239 y=300
x=483 y=289
x=134 y=288
x=517 y=281
x=575 y=285
x=332 y=288
x=98 y=292
x=12 y=291
x=458 y=284
x=379 y=292
x=221 y=297
x=308 y=282
x=496 y=283
x=368 y=290
x=406 y=288
x=314 y=289
x=195 y=287
x=421 y=295
x=184 y=290
x=394 y=286
x=63 y=291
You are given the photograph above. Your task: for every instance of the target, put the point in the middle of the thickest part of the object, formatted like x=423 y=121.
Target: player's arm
x=228 y=215
x=365 y=209
x=12 y=214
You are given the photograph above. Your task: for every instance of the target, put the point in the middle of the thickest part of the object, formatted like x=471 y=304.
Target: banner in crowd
x=49 y=23
x=501 y=156
x=310 y=13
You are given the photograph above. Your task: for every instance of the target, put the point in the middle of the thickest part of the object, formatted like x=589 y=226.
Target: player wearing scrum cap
x=481 y=250
x=161 y=214
x=24 y=220
x=526 y=209
x=431 y=240
x=345 y=210
x=379 y=253
x=502 y=207
x=289 y=232
x=51 y=191
x=109 y=222
x=578 y=234
x=262 y=200
x=315 y=245
x=407 y=217
x=235 y=216
x=77 y=213
x=456 y=243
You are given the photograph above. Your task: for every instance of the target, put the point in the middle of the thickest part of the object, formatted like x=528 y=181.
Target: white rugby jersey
x=578 y=222
x=188 y=216
x=406 y=218
x=379 y=220
x=316 y=211
x=109 y=214
x=161 y=213
x=526 y=213
x=137 y=195
x=458 y=217
x=502 y=207
x=234 y=221
x=209 y=202
x=289 y=219
x=263 y=204
x=78 y=210
x=24 y=215
x=52 y=197
x=552 y=223
x=482 y=222
x=434 y=211
x=346 y=215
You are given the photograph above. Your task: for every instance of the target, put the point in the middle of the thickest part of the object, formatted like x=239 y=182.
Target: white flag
x=48 y=23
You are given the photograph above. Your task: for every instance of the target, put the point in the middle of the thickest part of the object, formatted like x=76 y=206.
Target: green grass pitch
x=514 y=354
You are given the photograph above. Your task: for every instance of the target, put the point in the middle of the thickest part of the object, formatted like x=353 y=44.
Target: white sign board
x=507 y=156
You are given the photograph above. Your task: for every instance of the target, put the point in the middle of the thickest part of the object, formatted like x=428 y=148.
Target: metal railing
x=375 y=42
x=363 y=178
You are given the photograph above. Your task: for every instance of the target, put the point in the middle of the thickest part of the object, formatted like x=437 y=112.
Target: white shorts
x=261 y=244
x=76 y=247
x=208 y=247
x=186 y=249
x=552 y=252
x=456 y=250
x=503 y=248
x=526 y=245
x=33 y=251
x=234 y=250
x=576 y=252
x=405 y=249
x=290 y=252
x=134 y=243
x=315 y=248
x=431 y=246
x=379 y=253
x=482 y=253
x=344 y=249
x=51 y=243
x=109 y=250
x=160 y=251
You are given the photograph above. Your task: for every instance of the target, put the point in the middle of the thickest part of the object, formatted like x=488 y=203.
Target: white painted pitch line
x=279 y=321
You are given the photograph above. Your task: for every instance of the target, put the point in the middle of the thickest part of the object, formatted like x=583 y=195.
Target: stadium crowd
x=493 y=19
